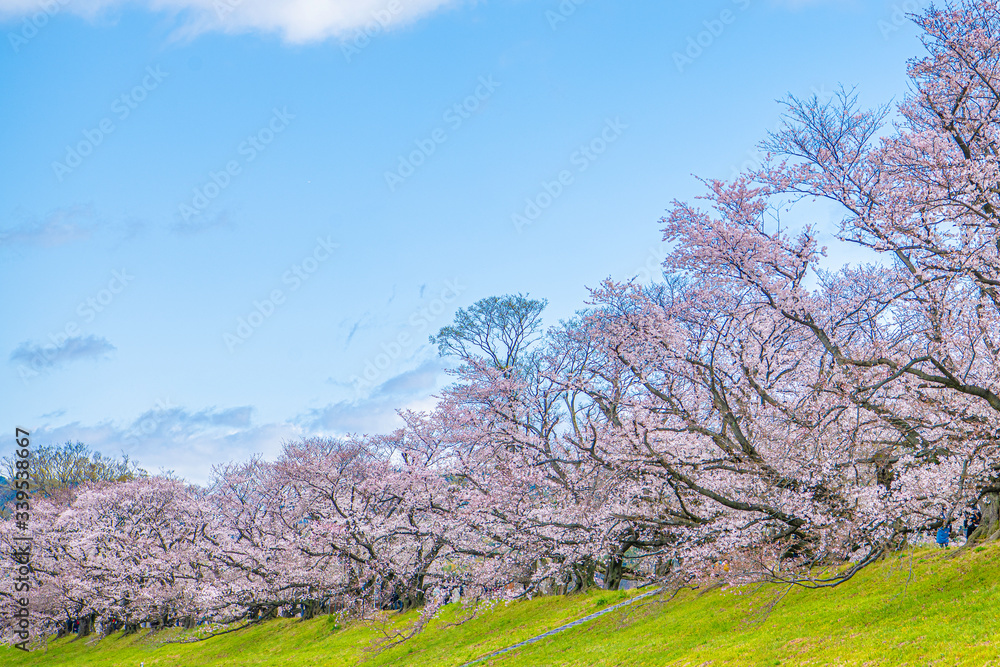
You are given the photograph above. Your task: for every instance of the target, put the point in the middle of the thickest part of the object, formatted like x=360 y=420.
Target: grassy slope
x=948 y=614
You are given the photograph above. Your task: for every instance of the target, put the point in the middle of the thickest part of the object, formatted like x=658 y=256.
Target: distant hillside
x=6 y=493
x=919 y=608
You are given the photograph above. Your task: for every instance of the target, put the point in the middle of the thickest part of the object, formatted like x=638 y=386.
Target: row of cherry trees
x=754 y=416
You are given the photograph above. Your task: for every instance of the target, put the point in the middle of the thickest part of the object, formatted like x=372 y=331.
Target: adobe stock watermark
x=381 y=18
x=699 y=43
x=46 y=355
x=122 y=107
x=224 y=8
x=294 y=278
x=406 y=341
x=249 y=149
x=562 y=12
x=581 y=159
x=149 y=424
x=454 y=116
x=47 y=9
x=899 y=17
x=651 y=269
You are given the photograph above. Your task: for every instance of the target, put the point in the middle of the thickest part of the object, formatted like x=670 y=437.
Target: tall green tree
x=498 y=330
x=53 y=468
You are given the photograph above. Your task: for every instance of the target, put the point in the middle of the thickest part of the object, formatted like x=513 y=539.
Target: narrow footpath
x=562 y=628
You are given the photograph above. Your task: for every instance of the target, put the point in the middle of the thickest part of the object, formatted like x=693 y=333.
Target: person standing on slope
x=972 y=519
x=944 y=532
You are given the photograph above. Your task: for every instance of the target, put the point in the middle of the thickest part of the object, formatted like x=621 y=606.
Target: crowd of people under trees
x=971 y=519
x=755 y=407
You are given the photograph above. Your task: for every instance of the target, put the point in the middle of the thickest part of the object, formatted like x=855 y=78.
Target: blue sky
x=225 y=223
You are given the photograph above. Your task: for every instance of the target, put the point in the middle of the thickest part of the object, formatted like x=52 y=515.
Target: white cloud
x=62 y=225
x=39 y=356
x=411 y=390
x=295 y=20
x=173 y=438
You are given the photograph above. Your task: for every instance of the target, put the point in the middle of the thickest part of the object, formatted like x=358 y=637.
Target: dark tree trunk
x=412 y=596
x=86 y=625
x=310 y=608
x=581 y=577
x=613 y=573
x=587 y=572
x=884 y=474
x=411 y=600
x=989 y=527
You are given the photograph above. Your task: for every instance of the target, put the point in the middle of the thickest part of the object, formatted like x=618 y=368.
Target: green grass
x=946 y=613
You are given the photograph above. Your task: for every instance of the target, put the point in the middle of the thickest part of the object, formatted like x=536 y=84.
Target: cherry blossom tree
x=760 y=415
x=919 y=324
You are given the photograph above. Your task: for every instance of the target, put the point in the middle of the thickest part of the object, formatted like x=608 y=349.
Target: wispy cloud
x=354 y=329
x=421 y=380
x=296 y=22
x=178 y=422
x=371 y=415
x=376 y=413
x=186 y=442
x=58 y=227
x=203 y=223
x=190 y=442
x=72 y=349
